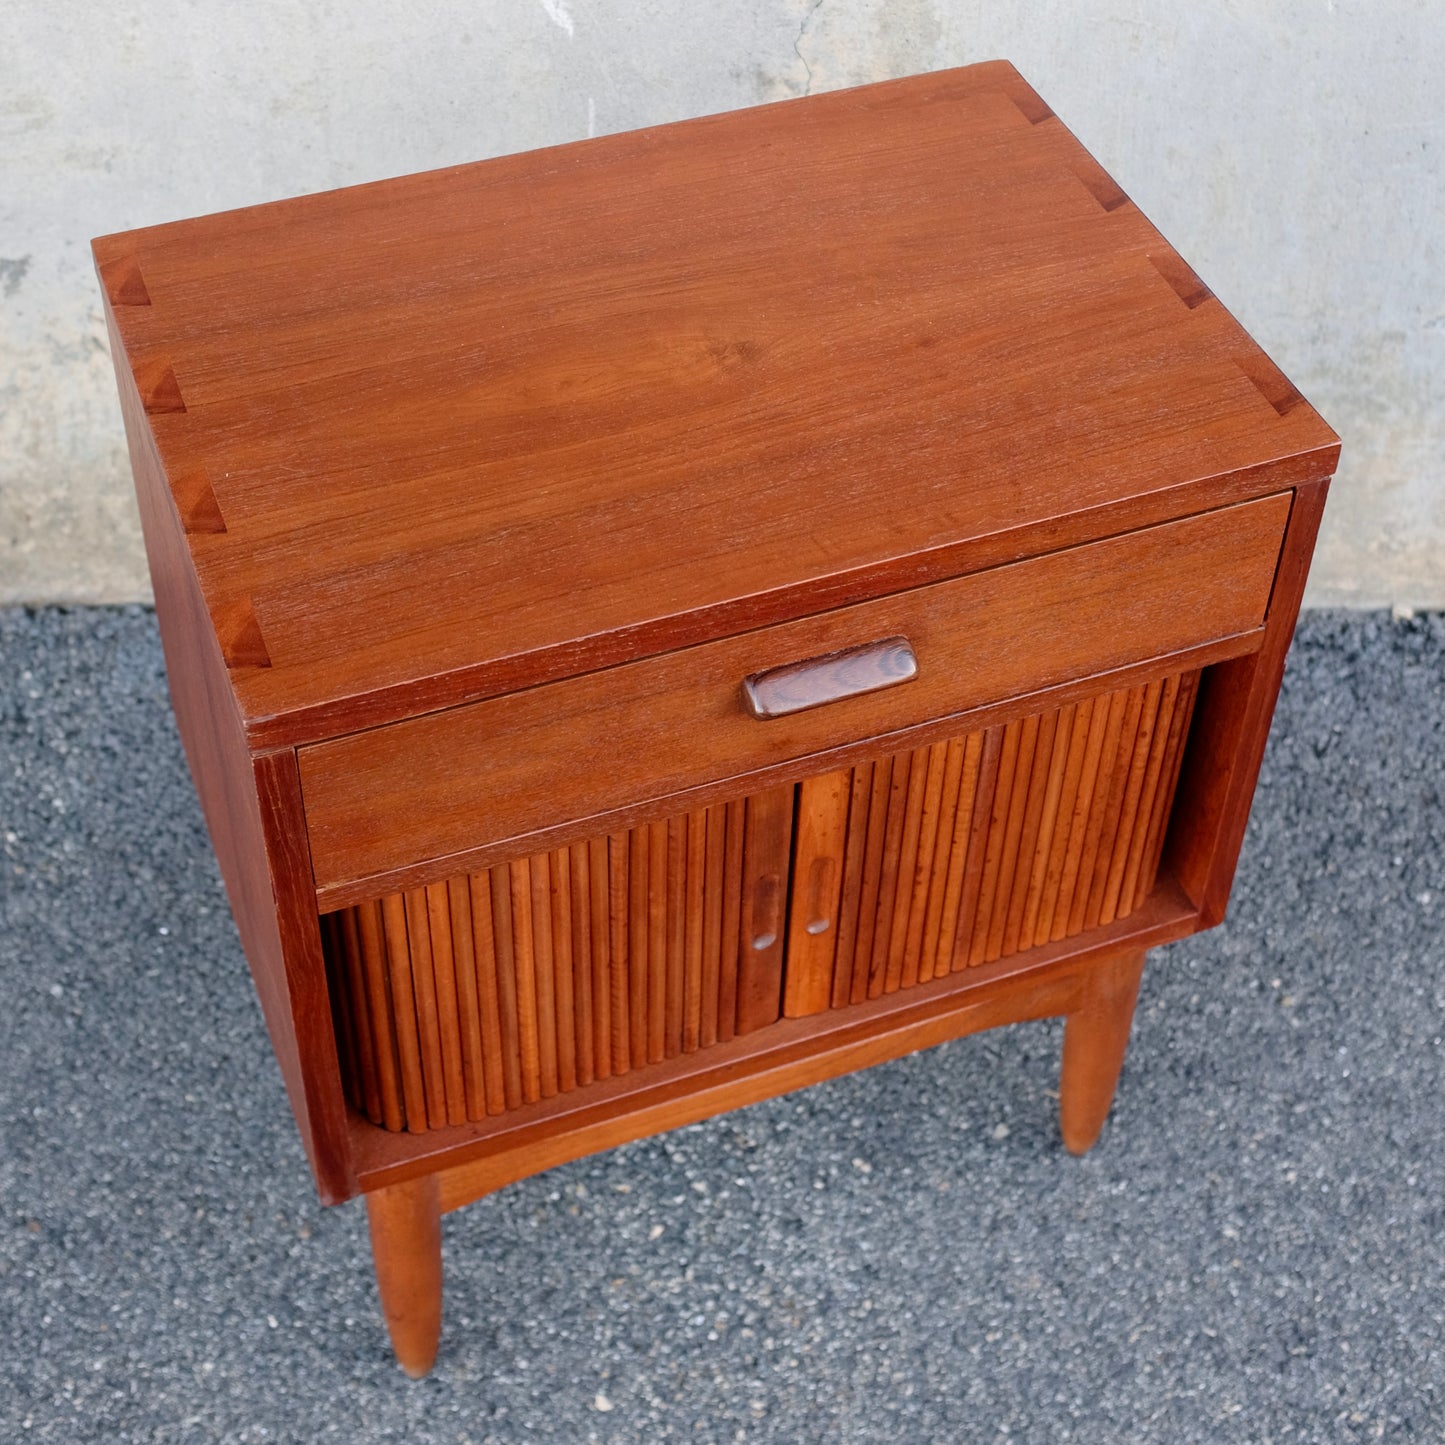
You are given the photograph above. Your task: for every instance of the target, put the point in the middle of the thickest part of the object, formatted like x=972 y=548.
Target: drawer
x=506 y=767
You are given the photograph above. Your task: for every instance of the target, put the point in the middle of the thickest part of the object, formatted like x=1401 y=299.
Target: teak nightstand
x=665 y=620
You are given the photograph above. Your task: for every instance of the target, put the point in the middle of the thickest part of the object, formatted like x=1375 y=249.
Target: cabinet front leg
x=1095 y=1036
x=406 y=1247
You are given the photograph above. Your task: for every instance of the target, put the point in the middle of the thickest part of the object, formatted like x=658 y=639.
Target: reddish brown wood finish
x=252 y=805
x=452 y=394
x=434 y=787
x=1096 y=1033
x=1236 y=706
x=475 y=994
x=817 y=961
x=406 y=1244
x=792 y=1054
x=464 y=543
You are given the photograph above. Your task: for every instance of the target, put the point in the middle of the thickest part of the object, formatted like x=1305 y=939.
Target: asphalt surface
x=1255 y=1251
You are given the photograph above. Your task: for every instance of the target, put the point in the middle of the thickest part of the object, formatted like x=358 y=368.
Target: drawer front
x=504 y=768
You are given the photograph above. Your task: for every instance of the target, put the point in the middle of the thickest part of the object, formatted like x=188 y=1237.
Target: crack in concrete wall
x=811 y=11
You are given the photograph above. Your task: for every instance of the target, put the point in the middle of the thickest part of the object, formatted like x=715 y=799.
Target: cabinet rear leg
x=406 y=1247
x=1095 y=1037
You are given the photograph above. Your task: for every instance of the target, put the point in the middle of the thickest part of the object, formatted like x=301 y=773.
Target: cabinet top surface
x=459 y=432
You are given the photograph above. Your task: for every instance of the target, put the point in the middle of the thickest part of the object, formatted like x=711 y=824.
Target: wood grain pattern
x=989 y=867
x=767 y=858
x=792 y=1054
x=252 y=806
x=406 y=1245
x=804 y=906
x=443 y=429
x=1236 y=703
x=463 y=543
x=1096 y=1033
x=822 y=829
x=551 y=973
x=436 y=787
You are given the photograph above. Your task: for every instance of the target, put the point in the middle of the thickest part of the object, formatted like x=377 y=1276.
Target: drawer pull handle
x=796 y=686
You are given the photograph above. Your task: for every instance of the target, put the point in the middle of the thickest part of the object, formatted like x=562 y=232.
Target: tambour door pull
x=796 y=686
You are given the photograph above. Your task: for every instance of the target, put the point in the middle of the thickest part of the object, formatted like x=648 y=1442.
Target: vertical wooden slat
x=1149 y=793
x=1114 y=805
x=996 y=845
x=404 y=1012
x=464 y=960
x=1083 y=811
x=367 y=1045
x=439 y=931
x=1168 y=783
x=372 y=940
x=822 y=829
x=951 y=775
x=519 y=880
x=503 y=1077
x=599 y=926
x=694 y=910
x=900 y=770
x=764 y=908
x=923 y=862
x=505 y=951
x=637 y=938
x=1021 y=873
x=714 y=887
x=1129 y=807
x=953 y=888
x=579 y=881
x=919 y=762
x=656 y=942
x=860 y=788
x=980 y=826
x=675 y=951
x=1059 y=753
x=1013 y=837
x=423 y=982
x=1088 y=853
x=544 y=973
x=732 y=944
x=560 y=887
x=1068 y=798
x=875 y=831
x=619 y=922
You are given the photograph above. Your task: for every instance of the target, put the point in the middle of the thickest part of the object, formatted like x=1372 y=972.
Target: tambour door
x=530 y=979
x=914 y=865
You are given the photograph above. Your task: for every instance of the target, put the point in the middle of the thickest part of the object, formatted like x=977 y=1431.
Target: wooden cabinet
x=662 y=621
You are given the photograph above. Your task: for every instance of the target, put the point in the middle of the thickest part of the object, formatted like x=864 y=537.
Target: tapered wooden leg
x=1095 y=1037
x=406 y=1246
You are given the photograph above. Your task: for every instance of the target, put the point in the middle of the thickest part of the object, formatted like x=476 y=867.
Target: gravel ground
x=1253 y=1252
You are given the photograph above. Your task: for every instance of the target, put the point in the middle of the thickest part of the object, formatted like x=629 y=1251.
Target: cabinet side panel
x=1233 y=713
x=252 y=811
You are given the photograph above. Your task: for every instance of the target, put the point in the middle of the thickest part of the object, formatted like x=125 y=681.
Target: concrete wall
x=1294 y=150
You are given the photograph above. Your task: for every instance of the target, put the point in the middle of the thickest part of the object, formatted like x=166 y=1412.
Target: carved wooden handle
x=800 y=685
